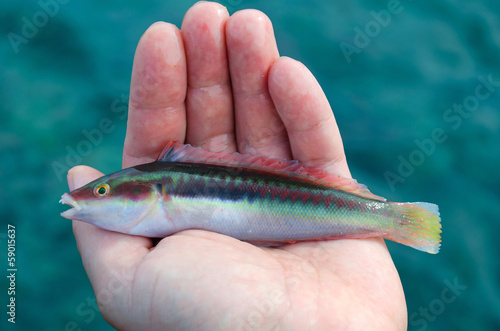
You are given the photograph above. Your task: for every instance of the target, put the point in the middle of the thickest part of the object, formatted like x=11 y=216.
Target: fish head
x=117 y=202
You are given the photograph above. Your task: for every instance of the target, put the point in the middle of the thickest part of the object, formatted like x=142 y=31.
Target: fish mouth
x=67 y=199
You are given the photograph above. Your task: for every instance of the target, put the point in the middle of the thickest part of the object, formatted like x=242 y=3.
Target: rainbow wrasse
x=256 y=199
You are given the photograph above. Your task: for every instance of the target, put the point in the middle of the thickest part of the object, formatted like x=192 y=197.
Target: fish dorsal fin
x=175 y=151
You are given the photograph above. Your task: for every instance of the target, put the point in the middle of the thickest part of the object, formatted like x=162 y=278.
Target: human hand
x=219 y=83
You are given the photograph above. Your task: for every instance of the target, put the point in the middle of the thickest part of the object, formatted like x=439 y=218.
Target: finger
x=252 y=50
x=312 y=130
x=109 y=258
x=209 y=103
x=157 y=112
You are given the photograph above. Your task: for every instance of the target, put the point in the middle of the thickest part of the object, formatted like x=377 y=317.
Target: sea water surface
x=414 y=85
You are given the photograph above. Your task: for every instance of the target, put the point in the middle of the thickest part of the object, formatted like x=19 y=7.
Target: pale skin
x=219 y=83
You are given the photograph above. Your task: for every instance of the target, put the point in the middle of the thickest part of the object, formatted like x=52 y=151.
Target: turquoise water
x=393 y=87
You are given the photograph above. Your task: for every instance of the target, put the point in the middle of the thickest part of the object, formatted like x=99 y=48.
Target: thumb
x=81 y=175
x=109 y=258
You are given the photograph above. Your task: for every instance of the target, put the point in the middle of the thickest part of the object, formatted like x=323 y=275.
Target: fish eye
x=101 y=190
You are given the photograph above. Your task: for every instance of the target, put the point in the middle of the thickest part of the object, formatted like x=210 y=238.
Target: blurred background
x=415 y=88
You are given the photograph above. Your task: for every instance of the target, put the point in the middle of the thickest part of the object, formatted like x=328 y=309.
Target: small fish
x=260 y=200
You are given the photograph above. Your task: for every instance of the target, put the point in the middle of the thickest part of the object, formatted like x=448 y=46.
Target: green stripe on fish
x=252 y=198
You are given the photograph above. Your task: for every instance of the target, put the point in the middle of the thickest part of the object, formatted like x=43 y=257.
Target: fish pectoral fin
x=144 y=214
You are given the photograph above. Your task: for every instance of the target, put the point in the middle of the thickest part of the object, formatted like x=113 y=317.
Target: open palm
x=219 y=83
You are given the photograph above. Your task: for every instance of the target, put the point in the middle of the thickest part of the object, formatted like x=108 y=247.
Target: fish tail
x=418 y=226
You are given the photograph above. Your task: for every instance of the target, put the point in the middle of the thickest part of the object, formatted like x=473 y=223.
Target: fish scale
x=261 y=200
x=275 y=208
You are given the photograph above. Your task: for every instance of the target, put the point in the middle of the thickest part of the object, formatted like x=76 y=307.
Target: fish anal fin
x=283 y=242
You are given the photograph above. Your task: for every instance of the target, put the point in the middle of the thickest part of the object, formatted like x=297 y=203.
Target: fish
x=261 y=200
